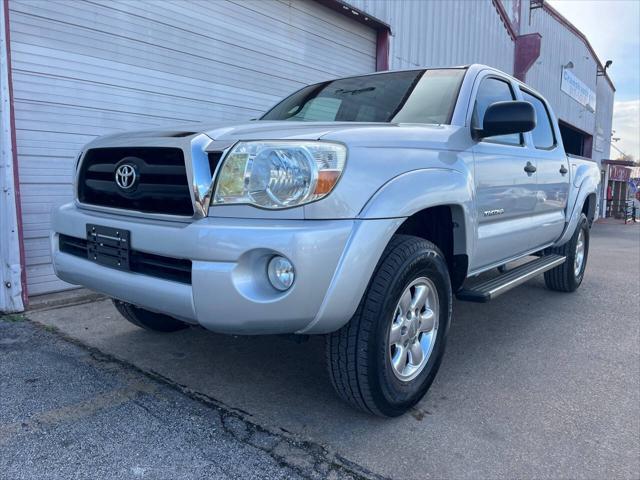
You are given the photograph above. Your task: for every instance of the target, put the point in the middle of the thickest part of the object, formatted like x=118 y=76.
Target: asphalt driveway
x=536 y=384
x=68 y=412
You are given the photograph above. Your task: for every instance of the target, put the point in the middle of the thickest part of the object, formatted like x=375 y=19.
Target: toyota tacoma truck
x=355 y=208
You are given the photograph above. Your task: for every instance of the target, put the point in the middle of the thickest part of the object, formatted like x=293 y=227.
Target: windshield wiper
x=357 y=91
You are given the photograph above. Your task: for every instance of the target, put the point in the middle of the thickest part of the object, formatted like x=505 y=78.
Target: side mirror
x=504 y=118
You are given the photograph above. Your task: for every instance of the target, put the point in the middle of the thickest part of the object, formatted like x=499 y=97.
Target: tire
x=565 y=278
x=360 y=354
x=142 y=318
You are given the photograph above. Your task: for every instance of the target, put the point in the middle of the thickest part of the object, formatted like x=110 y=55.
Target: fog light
x=281 y=273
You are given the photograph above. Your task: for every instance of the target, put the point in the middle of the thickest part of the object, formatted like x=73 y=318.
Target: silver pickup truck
x=354 y=208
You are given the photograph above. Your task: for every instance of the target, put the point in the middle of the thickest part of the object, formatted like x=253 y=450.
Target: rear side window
x=493 y=90
x=543 y=136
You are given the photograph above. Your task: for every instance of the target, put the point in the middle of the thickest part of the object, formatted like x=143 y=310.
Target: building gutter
x=13 y=285
x=506 y=21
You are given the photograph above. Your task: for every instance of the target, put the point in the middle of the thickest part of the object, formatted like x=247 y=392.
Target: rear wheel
x=148 y=320
x=568 y=276
x=385 y=359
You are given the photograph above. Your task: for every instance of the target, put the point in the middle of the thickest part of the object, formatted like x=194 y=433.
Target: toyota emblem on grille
x=126 y=176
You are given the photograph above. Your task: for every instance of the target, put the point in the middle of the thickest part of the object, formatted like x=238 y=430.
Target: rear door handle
x=563 y=170
x=530 y=168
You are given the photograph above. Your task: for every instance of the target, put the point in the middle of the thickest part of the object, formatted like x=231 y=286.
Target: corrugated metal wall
x=604 y=119
x=559 y=47
x=441 y=33
x=603 y=133
x=82 y=69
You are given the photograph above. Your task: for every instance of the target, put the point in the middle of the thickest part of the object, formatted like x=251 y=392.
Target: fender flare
x=409 y=193
x=379 y=219
x=585 y=186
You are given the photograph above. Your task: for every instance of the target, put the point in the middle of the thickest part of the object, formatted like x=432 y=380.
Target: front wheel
x=568 y=276
x=385 y=359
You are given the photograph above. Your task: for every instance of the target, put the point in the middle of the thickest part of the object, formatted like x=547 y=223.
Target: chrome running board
x=489 y=289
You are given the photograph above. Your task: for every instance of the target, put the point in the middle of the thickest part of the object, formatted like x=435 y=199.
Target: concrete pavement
x=536 y=384
x=68 y=412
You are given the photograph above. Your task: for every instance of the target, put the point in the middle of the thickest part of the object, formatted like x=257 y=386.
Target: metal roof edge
x=562 y=19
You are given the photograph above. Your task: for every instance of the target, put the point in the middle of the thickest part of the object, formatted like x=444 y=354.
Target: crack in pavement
x=307 y=458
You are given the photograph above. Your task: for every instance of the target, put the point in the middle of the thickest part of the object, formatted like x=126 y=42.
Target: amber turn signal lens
x=326 y=181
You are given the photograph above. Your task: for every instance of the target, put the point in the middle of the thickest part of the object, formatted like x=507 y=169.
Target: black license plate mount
x=108 y=246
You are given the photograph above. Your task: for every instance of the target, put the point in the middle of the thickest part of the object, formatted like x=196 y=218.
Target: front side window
x=543 y=136
x=493 y=90
x=416 y=96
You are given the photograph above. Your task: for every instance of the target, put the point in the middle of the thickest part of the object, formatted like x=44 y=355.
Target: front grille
x=167 y=268
x=161 y=180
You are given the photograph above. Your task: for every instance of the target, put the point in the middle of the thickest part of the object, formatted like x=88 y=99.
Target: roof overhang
x=356 y=14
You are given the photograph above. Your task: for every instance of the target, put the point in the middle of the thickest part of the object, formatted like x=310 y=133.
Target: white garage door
x=86 y=68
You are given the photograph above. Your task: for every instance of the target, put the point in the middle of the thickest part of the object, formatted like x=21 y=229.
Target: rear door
x=505 y=193
x=553 y=173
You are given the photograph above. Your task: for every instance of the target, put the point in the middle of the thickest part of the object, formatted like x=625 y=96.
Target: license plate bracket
x=108 y=246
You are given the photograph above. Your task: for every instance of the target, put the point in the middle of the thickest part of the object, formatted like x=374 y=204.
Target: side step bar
x=489 y=289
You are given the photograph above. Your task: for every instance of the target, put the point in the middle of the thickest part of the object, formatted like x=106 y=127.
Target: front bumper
x=229 y=292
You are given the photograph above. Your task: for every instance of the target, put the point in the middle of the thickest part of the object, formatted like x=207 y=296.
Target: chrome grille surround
x=195 y=148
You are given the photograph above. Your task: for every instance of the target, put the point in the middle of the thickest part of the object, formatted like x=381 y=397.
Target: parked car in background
x=355 y=208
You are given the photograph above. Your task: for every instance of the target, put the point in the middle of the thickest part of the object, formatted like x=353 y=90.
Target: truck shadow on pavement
x=278 y=380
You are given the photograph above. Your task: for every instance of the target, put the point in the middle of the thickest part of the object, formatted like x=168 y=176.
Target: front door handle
x=563 y=170
x=530 y=168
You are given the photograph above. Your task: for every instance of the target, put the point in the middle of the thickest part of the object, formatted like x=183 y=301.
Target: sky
x=613 y=29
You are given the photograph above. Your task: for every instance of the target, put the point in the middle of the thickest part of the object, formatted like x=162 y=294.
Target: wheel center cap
x=413 y=329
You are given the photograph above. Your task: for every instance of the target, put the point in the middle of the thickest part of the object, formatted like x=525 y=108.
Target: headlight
x=279 y=174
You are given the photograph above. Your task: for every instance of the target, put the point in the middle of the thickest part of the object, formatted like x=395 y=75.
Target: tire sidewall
x=155 y=322
x=391 y=395
x=583 y=225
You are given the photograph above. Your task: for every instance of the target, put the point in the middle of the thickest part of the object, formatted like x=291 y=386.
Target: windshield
x=416 y=96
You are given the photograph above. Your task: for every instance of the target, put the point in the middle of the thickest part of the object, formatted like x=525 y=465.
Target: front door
x=505 y=181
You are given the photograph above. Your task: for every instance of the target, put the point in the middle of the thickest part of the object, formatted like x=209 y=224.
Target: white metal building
x=75 y=69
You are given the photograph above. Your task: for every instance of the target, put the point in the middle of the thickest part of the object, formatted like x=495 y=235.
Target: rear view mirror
x=504 y=118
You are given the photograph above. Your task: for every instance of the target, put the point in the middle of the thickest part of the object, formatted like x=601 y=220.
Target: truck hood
x=354 y=134
x=254 y=130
